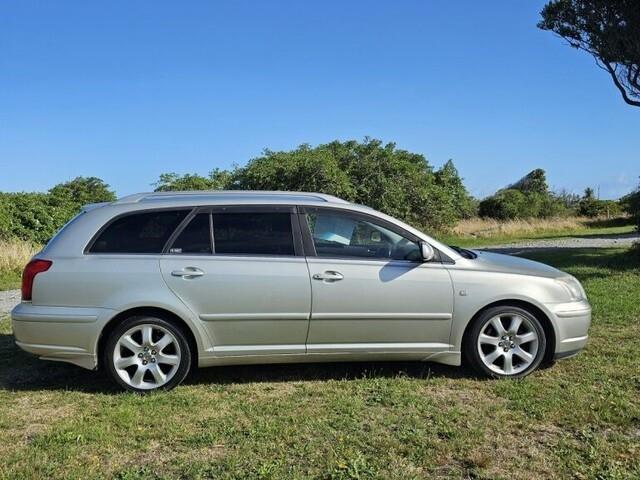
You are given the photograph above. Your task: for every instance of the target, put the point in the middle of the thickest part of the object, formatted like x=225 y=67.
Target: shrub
x=504 y=205
x=529 y=197
x=631 y=204
x=394 y=181
x=36 y=217
x=217 y=180
x=29 y=216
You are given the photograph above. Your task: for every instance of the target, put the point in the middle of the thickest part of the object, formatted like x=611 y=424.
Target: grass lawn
x=9 y=280
x=579 y=419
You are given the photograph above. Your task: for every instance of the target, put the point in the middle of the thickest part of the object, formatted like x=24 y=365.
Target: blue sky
x=128 y=90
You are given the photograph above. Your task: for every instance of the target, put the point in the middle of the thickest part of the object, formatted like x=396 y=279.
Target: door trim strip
x=381 y=316
x=378 y=347
x=232 y=317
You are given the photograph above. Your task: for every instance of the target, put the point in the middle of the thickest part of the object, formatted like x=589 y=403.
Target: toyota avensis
x=152 y=284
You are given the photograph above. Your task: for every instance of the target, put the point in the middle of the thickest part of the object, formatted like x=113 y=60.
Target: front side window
x=343 y=235
x=253 y=233
x=145 y=232
x=195 y=238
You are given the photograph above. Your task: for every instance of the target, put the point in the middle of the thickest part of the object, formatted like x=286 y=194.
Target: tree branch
x=620 y=87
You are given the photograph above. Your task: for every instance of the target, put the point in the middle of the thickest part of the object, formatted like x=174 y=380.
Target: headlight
x=573 y=287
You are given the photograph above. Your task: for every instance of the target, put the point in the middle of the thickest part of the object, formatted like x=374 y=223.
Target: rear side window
x=253 y=233
x=195 y=238
x=139 y=232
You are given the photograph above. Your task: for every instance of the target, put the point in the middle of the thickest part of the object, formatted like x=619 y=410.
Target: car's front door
x=241 y=270
x=371 y=291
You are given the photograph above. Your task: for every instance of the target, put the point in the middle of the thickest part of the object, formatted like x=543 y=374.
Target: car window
x=139 y=232
x=344 y=235
x=195 y=238
x=253 y=233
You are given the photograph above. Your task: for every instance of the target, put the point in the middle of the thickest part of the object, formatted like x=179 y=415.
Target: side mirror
x=427 y=252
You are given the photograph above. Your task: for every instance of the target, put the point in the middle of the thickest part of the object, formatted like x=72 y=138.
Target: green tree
x=29 y=216
x=448 y=178
x=607 y=29
x=529 y=197
x=37 y=216
x=80 y=191
x=533 y=182
x=569 y=201
x=588 y=205
x=631 y=204
x=303 y=169
x=394 y=181
x=217 y=180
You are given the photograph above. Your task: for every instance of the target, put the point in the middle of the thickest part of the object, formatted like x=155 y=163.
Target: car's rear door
x=371 y=291
x=242 y=271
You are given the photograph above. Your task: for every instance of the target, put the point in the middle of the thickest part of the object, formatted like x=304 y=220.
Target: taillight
x=33 y=268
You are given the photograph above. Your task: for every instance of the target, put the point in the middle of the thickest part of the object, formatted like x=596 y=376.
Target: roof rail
x=137 y=197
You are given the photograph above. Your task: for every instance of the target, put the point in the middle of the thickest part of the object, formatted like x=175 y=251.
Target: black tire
x=471 y=350
x=182 y=351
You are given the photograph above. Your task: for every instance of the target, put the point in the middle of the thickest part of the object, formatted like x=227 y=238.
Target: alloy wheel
x=508 y=344
x=146 y=356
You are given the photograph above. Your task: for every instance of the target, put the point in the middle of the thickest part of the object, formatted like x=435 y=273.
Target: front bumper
x=66 y=334
x=571 y=324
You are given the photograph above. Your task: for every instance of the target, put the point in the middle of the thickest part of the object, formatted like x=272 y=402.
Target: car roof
x=214 y=197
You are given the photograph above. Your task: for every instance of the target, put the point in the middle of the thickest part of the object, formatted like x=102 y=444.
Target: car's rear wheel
x=147 y=353
x=505 y=341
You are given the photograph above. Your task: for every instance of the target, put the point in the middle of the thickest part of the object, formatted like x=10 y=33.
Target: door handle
x=188 y=272
x=328 y=276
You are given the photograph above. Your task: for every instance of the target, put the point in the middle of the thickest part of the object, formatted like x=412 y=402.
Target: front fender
x=476 y=290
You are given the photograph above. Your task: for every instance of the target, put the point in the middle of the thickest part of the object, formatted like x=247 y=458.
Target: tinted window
x=139 y=232
x=253 y=233
x=195 y=238
x=343 y=235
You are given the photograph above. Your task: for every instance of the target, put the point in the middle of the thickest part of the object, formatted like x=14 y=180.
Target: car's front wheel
x=147 y=353
x=505 y=341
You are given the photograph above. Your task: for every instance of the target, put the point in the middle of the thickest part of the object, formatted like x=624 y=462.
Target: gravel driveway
x=10 y=298
x=586 y=241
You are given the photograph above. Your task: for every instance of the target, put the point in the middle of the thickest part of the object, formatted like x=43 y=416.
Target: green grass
x=9 y=280
x=578 y=419
x=592 y=231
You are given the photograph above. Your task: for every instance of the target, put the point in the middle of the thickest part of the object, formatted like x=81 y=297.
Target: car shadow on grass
x=24 y=372
x=325 y=371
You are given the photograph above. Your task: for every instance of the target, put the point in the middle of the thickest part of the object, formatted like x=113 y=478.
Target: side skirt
x=444 y=356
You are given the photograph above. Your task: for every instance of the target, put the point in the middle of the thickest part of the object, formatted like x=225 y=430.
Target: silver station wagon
x=150 y=285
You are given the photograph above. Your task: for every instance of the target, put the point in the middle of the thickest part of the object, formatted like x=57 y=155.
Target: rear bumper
x=66 y=334
x=571 y=323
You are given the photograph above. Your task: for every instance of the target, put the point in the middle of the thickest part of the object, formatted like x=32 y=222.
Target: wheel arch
x=533 y=309
x=167 y=315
